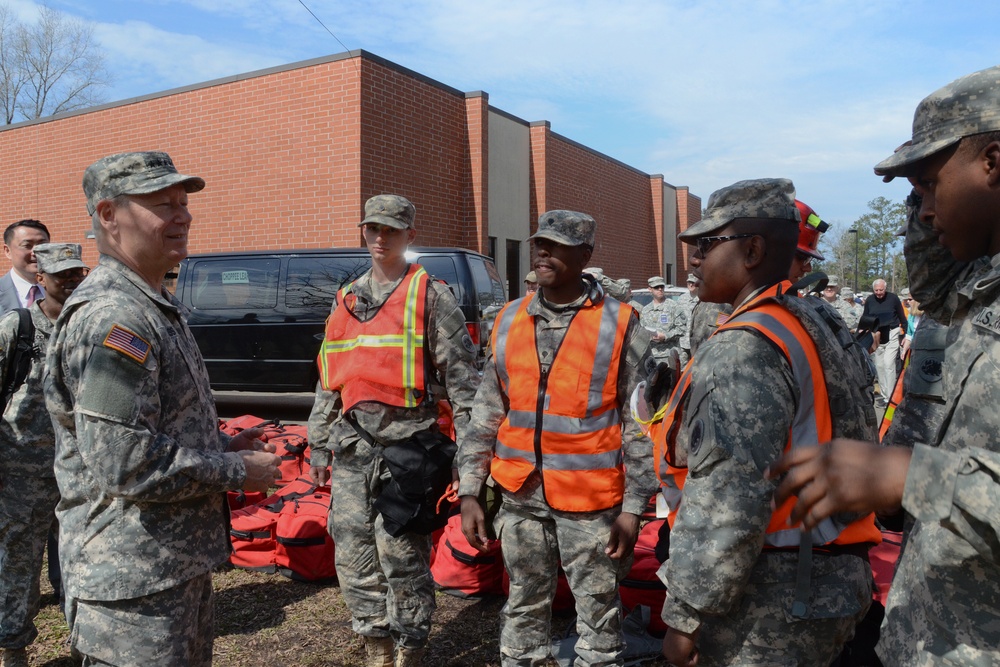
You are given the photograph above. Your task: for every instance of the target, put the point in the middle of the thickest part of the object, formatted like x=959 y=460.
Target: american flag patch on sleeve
x=128 y=343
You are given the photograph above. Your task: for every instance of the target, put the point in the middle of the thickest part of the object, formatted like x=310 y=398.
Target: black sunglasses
x=706 y=243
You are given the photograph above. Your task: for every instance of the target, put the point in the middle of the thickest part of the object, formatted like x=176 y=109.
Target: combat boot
x=378 y=651
x=409 y=657
x=15 y=657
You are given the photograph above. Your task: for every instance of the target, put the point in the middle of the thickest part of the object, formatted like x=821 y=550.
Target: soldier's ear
x=991 y=163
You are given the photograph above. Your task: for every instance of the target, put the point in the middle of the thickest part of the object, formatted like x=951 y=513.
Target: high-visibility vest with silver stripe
x=566 y=422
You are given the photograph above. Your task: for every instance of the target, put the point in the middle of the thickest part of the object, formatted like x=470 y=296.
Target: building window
x=491 y=250
x=514 y=268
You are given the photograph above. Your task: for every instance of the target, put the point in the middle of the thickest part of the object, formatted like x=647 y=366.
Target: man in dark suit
x=18 y=287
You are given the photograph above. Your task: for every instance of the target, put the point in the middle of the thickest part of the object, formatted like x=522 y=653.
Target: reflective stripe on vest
x=566 y=423
x=811 y=424
x=381 y=359
x=895 y=400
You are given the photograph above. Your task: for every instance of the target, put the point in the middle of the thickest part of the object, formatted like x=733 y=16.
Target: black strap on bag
x=420 y=471
x=19 y=362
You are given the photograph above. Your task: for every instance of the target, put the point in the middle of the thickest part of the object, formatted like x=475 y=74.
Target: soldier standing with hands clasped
x=141 y=464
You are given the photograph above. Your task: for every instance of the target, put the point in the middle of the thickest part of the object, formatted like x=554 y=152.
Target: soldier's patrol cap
x=56 y=257
x=763 y=198
x=566 y=227
x=595 y=271
x=905 y=293
x=692 y=278
x=657 y=281
x=846 y=293
x=969 y=105
x=530 y=277
x=390 y=210
x=832 y=281
x=138 y=173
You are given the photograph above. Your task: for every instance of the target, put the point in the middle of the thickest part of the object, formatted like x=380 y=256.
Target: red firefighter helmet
x=810 y=227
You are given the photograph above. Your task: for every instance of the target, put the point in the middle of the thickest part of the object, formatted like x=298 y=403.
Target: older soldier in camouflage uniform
x=848 y=309
x=28 y=491
x=942 y=608
x=665 y=319
x=141 y=464
x=730 y=600
x=386 y=580
x=594 y=540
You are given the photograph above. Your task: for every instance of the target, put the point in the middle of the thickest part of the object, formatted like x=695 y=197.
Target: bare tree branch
x=48 y=67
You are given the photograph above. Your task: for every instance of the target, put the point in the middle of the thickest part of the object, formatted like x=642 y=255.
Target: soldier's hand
x=659 y=384
x=624 y=533
x=474 y=523
x=840 y=476
x=319 y=475
x=680 y=649
x=262 y=470
x=248 y=440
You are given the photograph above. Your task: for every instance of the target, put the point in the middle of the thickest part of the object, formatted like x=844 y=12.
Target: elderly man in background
x=887 y=307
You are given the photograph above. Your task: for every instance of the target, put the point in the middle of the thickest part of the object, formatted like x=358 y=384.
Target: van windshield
x=313 y=282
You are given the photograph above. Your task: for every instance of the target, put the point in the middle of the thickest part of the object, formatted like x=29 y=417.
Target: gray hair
x=877 y=281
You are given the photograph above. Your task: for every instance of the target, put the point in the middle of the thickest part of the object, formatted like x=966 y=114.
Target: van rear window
x=219 y=284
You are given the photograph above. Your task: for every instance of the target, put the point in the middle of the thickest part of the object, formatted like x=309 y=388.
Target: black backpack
x=24 y=352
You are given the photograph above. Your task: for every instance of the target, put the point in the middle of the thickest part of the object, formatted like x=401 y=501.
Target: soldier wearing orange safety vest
x=395 y=347
x=744 y=586
x=550 y=424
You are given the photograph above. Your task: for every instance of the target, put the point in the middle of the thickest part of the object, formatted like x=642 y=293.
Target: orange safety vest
x=382 y=359
x=894 y=401
x=565 y=423
x=811 y=424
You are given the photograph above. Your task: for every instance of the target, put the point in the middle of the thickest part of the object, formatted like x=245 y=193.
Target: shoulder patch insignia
x=128 y=343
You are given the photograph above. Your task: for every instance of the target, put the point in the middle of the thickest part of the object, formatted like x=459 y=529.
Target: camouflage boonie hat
x=763 y=198
x=133 y=174
x=390 y=210
x=56 y=257
x=969 y=105
x=832 y=281
x=846 y=293
x=566 y=227
x=530 y=277
x=656 y=281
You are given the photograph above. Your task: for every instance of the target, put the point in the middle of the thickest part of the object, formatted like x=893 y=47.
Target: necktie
x=33 y=294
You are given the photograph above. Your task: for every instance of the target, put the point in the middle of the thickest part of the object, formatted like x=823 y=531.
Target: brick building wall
x=688 y=213
x=291 y=154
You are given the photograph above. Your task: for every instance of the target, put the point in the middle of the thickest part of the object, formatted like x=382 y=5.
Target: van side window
x=237 y=283
x=443 y=268
x=313 y=282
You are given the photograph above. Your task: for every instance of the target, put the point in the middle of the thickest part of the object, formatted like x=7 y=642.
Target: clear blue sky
x=704 y=92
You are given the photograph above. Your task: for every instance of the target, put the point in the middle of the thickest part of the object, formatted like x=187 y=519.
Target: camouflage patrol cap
x=904 y=293
x=530 y=277
x=846 y=293
x=566 y=227
x=692 y=278
x=595 y=271
x=763 y=198
x=139 y=173
x=390 y=210
x=832 y=281
x=56 y=257
x=656 y=281
x=969 y=105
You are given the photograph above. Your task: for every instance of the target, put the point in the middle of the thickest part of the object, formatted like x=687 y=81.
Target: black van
x=258 y=316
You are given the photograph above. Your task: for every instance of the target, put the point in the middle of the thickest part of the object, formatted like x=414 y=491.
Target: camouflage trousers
x=27 y=510
x=762 y=630
x=172 y=627
x=386 y=581
x=535 y=539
